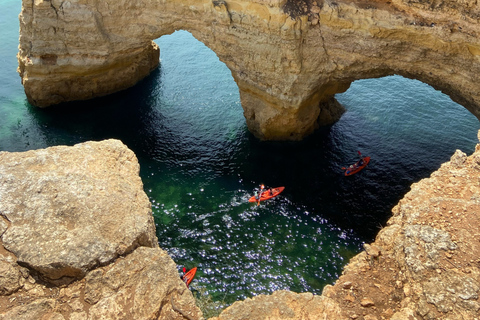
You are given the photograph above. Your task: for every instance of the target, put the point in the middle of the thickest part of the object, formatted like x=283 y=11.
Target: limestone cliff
x=288 y=57
x=77 y=239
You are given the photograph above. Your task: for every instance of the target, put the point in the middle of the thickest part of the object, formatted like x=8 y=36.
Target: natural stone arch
x=289 y=58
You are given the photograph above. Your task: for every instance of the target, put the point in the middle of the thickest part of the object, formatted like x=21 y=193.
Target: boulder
x=73 y=208
x=77 y=239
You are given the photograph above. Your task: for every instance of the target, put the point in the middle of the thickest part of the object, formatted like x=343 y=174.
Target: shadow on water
x=199 y=165
x=129 y=115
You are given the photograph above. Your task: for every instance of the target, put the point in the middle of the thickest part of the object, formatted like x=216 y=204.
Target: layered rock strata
x=77 y=239
x=424 y=265
x=289 y=58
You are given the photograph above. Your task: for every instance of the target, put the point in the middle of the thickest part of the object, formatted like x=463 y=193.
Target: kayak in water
x=267 y=194
x=357 y=166
x=188 y=276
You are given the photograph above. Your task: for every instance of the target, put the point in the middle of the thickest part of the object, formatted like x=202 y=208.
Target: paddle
x=360 y=154
x=260 y=195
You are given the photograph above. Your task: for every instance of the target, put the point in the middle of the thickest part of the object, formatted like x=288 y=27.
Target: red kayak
x=357 y=166
x=188 y=277
x=267 y=194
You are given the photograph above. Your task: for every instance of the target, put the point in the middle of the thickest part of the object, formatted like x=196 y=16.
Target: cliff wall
x=288 y=58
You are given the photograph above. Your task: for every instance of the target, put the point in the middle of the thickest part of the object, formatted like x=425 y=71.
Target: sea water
x=199 y=164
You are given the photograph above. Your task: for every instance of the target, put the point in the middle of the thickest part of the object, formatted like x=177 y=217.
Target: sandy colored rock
x=423 y=265
x=282 y=305
x=289 y=58
x=146 y=293
x=77 y=239
x=71 y=210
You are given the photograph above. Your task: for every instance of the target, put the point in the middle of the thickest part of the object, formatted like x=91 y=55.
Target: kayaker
x=262 y=187
x=184 y=270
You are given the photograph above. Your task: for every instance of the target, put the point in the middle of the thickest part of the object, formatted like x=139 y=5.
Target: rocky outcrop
x=77 y=239
x=424 y=265
x=289 y=58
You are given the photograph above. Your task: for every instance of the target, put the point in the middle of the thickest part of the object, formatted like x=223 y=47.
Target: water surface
x=199 y=164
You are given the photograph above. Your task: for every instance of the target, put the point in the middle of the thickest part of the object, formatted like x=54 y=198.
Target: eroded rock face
x=77 y=239
x=282 y=305
x=70 y=209
x=423 y=265
x=288 y=58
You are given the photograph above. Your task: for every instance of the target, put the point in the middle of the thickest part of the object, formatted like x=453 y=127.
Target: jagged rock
x=458 y=158
x=289 y=58
x=367 y=303
x=37 y=309
x=10 y=278
x=77 y=239
x=427 y=266
x=71 y=210
x=282 y=305
x=152 y=282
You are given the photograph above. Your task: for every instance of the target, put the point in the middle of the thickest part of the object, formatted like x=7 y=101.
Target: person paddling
x=262 y=187
x=187 y=277
x=357 y=166
x=360 y=162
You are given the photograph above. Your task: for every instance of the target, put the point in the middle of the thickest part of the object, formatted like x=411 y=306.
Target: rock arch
x=288 y=57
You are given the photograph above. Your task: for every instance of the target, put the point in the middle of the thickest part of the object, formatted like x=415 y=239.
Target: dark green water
x=199 y=164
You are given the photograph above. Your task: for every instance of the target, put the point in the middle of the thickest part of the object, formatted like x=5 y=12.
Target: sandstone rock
x=10 y=278
x=434 y=228
x=404 y=314
x=84 y=211
x=38 y=309
x=372 y=250
x=288 y=58
x=3 y=225
x=347 y=285
x=282 y=305
x=134 y=297
x=366 y=302
x=71 y=210
x=458 y=159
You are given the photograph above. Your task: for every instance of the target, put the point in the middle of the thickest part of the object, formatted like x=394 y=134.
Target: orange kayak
x=188 y=277
x=357 y=166
x=267 y=194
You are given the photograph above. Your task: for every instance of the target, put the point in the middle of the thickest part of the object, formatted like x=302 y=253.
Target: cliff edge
x=423 y=265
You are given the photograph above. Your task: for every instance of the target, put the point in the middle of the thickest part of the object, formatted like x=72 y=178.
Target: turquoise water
x=199 y=164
